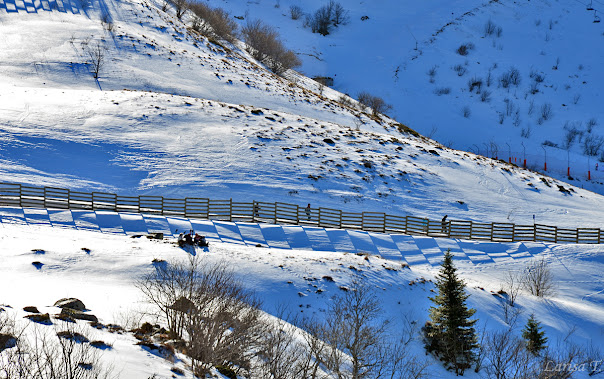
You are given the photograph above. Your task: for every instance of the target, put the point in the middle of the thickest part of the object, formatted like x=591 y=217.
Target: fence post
x=384 y=224
x=556 y=234
x=275 y=213
x=115 y=202
x=20 y=196
x=231 y=209
x=492 y=230
x=297 y=214
x=138 y=203
x=599 y=235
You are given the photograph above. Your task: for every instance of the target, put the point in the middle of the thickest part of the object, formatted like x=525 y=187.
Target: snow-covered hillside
x=93 y=257
x=408 y=52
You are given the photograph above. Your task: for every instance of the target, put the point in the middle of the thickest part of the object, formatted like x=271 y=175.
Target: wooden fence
x=20 y=195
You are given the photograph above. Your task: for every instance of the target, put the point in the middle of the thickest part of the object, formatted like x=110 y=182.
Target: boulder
x=7 y=341
x=31 y=309
x=78 y=314
x=71 y=303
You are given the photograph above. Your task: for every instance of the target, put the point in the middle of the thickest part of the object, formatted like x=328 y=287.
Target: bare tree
x=592 y=145
x=375 y=103
x=507 y=357
x=265 y=46
x=537 y=278
x=96 y=56
x=213 y=21
x=205 y=305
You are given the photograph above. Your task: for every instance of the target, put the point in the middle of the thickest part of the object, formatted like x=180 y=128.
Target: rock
x=77 y=314
x=41 y=318
x=71 y=303
x=7 y=341
x=155 y=236
x=31 y=309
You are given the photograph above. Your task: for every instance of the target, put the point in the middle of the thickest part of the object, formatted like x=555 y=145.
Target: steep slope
x=418 y=67
x=227 y=128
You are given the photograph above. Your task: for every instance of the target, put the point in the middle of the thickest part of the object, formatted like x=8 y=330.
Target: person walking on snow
x=307 y=209
x=444 y=224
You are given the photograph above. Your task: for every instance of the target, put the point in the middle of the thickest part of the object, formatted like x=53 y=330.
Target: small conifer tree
x=450 y=333
x=533 y=335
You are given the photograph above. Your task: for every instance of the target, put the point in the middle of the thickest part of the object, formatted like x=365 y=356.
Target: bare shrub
x=485 y=96
x=265 y=46
x=475 y=83
x=320 y=21
x=180 y=7
x=510 y=78
x=507 y=357
x=53 y=353
x=339 y=15
x=214 y=22
x=295 y=12
x=432 y=73
x=571 y=134
x=491 y=29
x=205 y=305
x=592 y=145
x=537 y=278
x=466 y=112
x=354 y=341
x=591 y=124
x=465 y=48
x=96 y=57
x=442 y=91
x=460 y=69
x=375 y=103
x=546 y=112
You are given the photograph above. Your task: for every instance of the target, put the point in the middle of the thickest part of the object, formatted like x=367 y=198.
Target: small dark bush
x=442 y=91
x=465 y=48
x=377 y=104
x=295 y=12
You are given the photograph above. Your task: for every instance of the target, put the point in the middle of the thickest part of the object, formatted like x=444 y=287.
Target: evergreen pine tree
x=450 y=333
x=534 y=336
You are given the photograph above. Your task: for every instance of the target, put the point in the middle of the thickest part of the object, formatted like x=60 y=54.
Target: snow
x=295 y=263
x=176 y=115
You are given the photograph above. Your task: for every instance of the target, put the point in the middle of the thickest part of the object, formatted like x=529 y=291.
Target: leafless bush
x=507 y=357
x=375 y=103
x=432 y=73
x=592 y=145
x=346 y=101
x=339 y=15
x=490 y=29
x=295 y=12
x=571 y=134
x=442 y=91
x=460 y=69
x=475 y=83
x=485 y=96
x=465 y=48
x=320 y=21
x=537 y=278
x=107 y=22
x=510 y=78
x=526 y=132
x=52 y=353
x=96 y=56
x=282 y=355
x=354 y=341
x=546 y=112
x=591 y=124
x=180 y=6
x=265 y=46
x=214 y=22
x=466 y=111
x=206 y=306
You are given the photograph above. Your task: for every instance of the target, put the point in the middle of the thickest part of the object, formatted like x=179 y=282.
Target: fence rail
x=26 y=196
